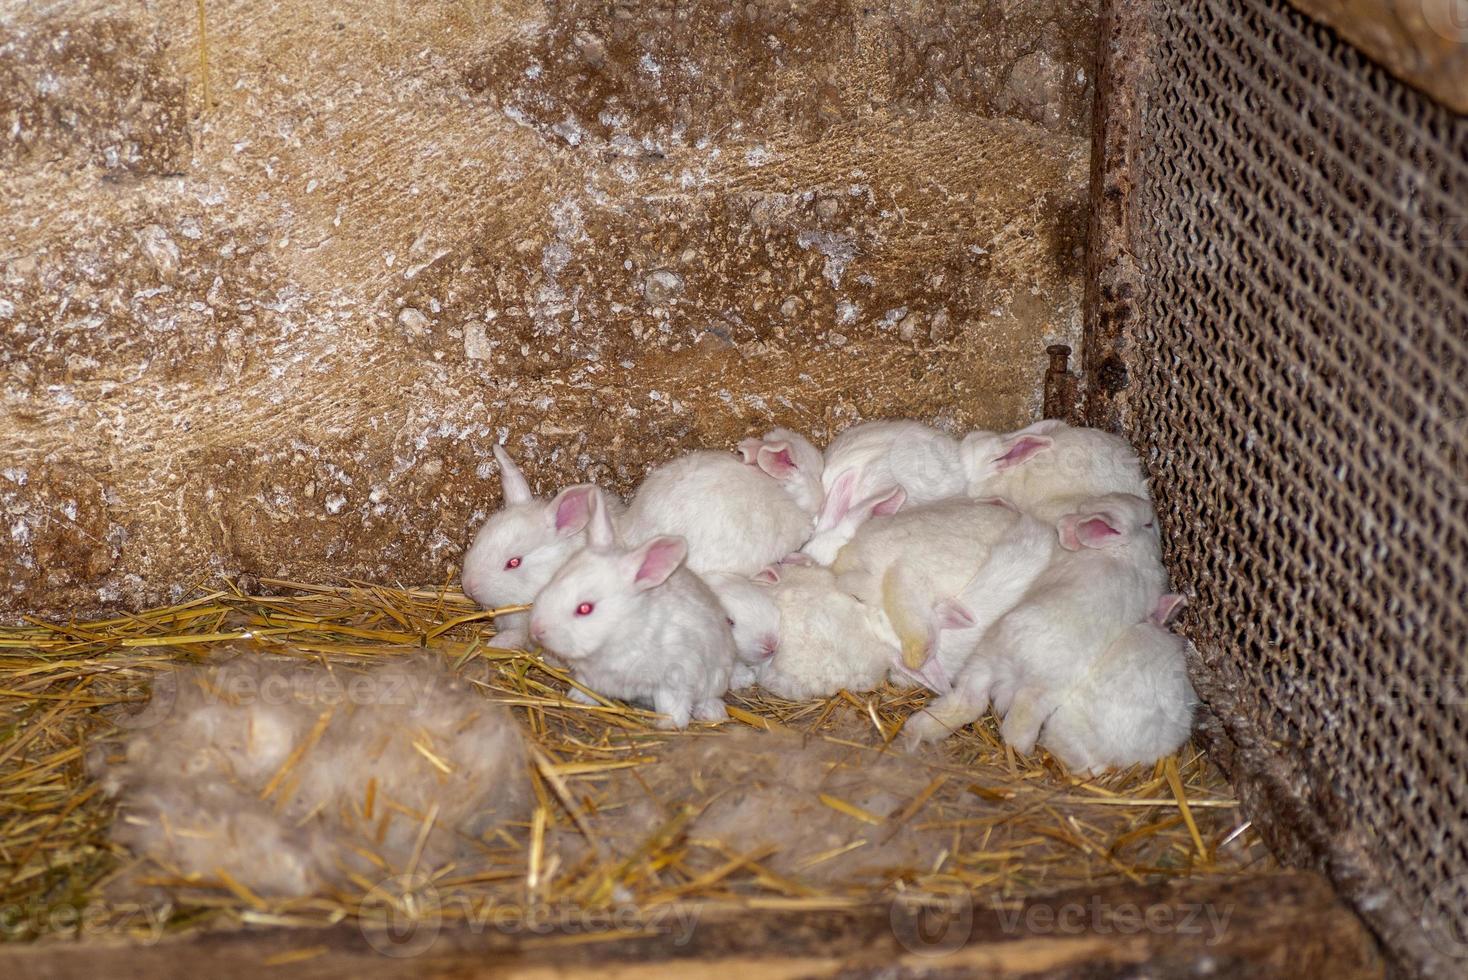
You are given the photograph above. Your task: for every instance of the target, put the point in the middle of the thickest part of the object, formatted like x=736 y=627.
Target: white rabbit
x=754 y=619
x=1108 y=576
x=896 y=453
x=828 y=640
x=906 y=562
x=841 y=516
x=791 y=458
x=519 y=548
x=636 y=624
x=867 y=462
x=735 y=517
x=960 y=621
x=1133 y=707
x=1049 y=468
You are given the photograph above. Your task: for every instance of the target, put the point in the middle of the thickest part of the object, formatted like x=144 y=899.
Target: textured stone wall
x=274 y=332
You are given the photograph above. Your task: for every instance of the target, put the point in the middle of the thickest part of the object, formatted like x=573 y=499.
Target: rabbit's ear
x=1079 y=531
x=953 y=615
x=656 y=560
x=516 y=488
x=599 y=533
x=1167 y=608
x=572 y=508
x=1022 y=448
x=838 y=501
x=776 y=459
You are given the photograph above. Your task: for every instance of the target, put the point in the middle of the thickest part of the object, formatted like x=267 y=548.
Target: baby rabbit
x=1133 y=707
x=1108 y=575
x=828 y=640
x=636 y=624
x=735 y=517
x=904 y=563
x=960 y=621
x=896 y=453
x=518 y=548
x=754 y=619
x=789 y=456
x=869 y=463
x=1049 y=468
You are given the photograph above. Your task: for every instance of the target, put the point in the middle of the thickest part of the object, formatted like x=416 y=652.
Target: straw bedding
x=791 y=804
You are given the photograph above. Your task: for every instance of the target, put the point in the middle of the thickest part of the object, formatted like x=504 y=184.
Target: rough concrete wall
x=276 y=334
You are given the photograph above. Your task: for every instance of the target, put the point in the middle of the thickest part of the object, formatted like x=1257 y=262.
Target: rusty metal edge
x=1277 y=792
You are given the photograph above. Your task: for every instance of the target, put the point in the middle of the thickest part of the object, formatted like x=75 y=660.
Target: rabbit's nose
x=537 y=632
x=769 y=646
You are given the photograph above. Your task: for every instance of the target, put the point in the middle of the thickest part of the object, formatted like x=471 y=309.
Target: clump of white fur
x=280 y=772
x=757 y=790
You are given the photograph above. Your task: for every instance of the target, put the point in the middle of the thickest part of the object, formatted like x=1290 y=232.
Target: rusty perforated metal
x=1279 y=318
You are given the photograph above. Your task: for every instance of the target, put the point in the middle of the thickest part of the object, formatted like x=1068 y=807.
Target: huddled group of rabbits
x=1020 y=570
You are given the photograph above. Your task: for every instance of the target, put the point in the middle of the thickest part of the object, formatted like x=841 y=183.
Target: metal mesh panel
x=1297 y=370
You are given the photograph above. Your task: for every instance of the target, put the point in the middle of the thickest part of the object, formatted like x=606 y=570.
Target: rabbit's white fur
x=896 y=453
x=754 y=619
x=828 y=640
x=906 y=562
x=537 y=535
x=1019 y=557
x=1048 y=469
x=1135 y=705
x=634 y=623
x=736 y=517
x=1107 y=576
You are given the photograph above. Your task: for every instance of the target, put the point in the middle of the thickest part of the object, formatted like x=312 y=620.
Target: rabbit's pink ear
x=889 y=503
x=1167 y=608
x=953 y=615
x=1021 y=448
x=1079 y=531
x=838 y=501
x=769 y=575
x=572 y=508
x=776 y=459
x=750 y=448
x=658 y=559
x=516 y=487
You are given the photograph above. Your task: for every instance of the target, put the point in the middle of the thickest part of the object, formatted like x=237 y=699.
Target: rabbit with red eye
x=635 y=623
x=1048 y=469
x=754 y=619
x=736 y=517
x=1107 y=576
x=1134 y=706
x=519 y=547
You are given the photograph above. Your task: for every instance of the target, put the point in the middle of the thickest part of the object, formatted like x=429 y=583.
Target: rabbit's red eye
x=513 y=562
x=584 y=609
